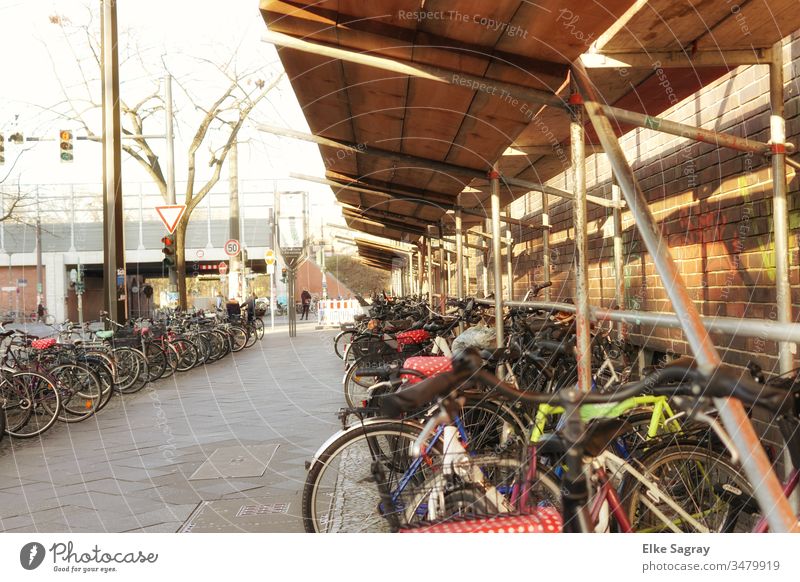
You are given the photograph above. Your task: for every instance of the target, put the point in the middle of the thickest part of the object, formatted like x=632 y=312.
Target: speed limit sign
x=232 y=247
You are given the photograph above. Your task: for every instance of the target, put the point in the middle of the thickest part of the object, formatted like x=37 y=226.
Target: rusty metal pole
x=756 y=464
x=546 y=244
x=485 y=262
x=510 y=265
x=429 y=256
x=459 y=256
x=619 y=261
x=583 y=353
x=494 y=177
x=780 y=209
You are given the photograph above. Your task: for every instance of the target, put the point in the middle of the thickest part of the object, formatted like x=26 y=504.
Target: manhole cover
x=239 y=461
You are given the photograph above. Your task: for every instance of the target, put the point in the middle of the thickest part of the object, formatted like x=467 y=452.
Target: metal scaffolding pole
x=510 y=265
x=583 y=353
x=466 y=276
x=429 y=257
x=546 y=244
x=494 y=177
x=780 y=210
x=756 y=464
x=420 y=269
x=485 y=261
x=441 y=283
x=729 y=326
x=619 y=260
x=459 y=256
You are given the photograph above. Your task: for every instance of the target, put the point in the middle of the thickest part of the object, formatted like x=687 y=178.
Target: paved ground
x=139 y=465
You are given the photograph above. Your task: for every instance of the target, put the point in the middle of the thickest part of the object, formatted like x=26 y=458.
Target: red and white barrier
x=337 y=311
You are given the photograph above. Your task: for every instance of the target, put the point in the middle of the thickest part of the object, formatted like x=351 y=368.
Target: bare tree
x=217 y=124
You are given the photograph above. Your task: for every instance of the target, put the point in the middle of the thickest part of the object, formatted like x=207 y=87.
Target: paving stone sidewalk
x=134 y=467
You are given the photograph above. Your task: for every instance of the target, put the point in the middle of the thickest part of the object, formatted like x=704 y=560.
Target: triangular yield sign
x=170 y=215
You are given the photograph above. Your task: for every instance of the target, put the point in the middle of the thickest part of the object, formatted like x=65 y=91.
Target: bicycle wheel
x=238 y=338
x=103 y=367
x=341 y=340
x=31 y=403
x=80 y=389
x=491 y=426
x=356 y=386
x=187 y=354
x=218 y=345
x=132 y=374
x=252 y=336
x=157 y=361
x=340 y=492
x=259 y=327
x=701 y=482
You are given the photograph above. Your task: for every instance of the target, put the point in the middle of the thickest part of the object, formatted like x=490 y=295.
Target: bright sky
x=36 y=55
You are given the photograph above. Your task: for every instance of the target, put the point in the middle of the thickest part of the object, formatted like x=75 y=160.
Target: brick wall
x=714 y=208
x=22 y=299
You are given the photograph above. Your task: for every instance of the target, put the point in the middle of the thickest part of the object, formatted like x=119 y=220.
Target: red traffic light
x=167 y=240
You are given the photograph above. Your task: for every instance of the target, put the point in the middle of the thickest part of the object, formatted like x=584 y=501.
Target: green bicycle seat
x=104 y=334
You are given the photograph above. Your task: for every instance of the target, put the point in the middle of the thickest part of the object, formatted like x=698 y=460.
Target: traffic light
x=65 y=137
x=169 y=251
x=2 y=149
x=283 y=274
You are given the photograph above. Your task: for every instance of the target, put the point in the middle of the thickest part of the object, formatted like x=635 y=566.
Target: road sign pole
x=272 y=300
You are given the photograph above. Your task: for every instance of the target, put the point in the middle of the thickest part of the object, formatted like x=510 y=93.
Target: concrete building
x=71 y=236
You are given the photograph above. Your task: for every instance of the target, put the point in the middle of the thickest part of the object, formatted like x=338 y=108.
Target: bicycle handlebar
x=678 y=378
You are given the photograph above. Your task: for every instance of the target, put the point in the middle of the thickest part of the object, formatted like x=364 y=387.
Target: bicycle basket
x=540 y=520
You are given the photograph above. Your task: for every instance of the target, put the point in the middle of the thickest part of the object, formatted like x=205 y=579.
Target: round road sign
x=223 y=268
x=232 y=247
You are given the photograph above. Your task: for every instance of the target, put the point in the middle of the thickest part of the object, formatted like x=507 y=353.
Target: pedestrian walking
x=40 y=310
x=305 y=298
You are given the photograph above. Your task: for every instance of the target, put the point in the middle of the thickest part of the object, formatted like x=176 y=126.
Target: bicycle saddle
x=104 y=334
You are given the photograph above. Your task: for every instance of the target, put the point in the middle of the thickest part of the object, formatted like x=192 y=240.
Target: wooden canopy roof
x=380 y=255
x=459 y=128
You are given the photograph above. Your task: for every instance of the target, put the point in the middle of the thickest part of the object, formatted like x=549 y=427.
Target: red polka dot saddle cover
x=43 y=344
x=427 y=366
x=412 y=337
x=541 y=520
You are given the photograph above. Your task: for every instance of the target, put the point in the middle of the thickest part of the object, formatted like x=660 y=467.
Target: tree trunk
x=180 y=260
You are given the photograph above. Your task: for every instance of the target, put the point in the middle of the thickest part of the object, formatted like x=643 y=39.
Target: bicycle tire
x=685 y=471
x=44 y=401
x=352 y=449
x=341 y=340
x=238 y=338
x=136 y=375
x=81 y=393
x=157 y=361
x=187 y=354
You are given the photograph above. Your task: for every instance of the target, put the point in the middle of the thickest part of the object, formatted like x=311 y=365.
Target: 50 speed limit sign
x=232 y=247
